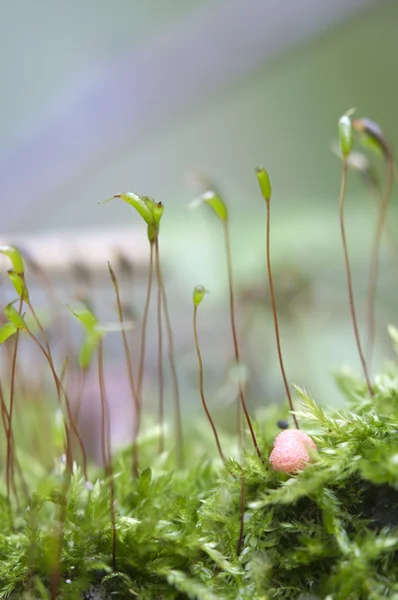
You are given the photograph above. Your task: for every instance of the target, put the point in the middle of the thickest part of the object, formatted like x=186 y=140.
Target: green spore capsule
x=264 y=182
x=345 y=135
x=16 y=258
x=14 y=317
x=86 y=317
x=92 y=336
x=19 y=284
x=136 y=202
x=198 y=294
x=372 y=136
x=6 y=331
x=215 y=202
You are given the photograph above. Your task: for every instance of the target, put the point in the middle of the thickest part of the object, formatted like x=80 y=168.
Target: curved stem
x=106 y=448
x=374 y=262
x=80 y=392
x=349 y=280
x=160 y=348
x=174 y=380
x=143 y=340
x=5 y=419
x=236 y=346
x=241 y=512
x=10 y=466
x=129 y=365
x=201 y=390
x=391 y=237
x=56 y=569
x=275 y=314
x=60 y=389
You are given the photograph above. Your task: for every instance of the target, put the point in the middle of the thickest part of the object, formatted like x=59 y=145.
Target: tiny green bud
x=14 y=317
x=265 y=183
x=198 y=294
x=19 y=284
x=6 y=331
x=16 y=258
x=345 y=135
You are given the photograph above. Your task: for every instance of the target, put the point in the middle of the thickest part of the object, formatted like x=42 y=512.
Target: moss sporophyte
x=309 y=512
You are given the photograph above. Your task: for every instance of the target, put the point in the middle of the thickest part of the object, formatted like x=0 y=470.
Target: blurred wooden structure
x=60 y=253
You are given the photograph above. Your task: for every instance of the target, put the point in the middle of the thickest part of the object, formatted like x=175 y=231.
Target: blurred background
x=165 y=98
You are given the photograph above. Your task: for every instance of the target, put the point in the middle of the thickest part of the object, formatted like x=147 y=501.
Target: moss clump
x=329 y=530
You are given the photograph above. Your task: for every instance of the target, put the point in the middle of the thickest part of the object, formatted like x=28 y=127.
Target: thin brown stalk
x=60 y=389
x=106 y=448
x=129 y=365
x=143 y=339
x=4 y=414
x=6 y=424
x=55 y=578
x=5 y=419
x=236 y=347
x=68 y=447
x=56 y=571
x=201 y=389
x=63 y=371
x=160 y=349
x=274 y=312
x=80 y=392
x=241 y=512
x=38 y=323
x=174 y=378
x=391 y=237
x=54 y=303
x=349 y=280
x=374 y=262
x=42 y=276
x=9 y=459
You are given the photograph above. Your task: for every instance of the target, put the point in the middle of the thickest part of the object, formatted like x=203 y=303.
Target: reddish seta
x=290 y=453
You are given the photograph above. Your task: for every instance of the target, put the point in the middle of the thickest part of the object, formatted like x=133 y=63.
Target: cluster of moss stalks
x=328 y=531
x=215 y=528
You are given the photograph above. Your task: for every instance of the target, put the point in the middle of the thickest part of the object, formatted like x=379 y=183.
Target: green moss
x=330 y=530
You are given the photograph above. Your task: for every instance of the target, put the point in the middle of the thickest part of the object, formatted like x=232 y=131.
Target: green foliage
x=329 y=531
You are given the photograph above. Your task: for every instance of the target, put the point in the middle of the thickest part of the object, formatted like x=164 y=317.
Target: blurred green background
x=98 y=97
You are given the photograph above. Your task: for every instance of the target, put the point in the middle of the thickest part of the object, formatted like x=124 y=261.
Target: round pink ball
x=290 y=453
